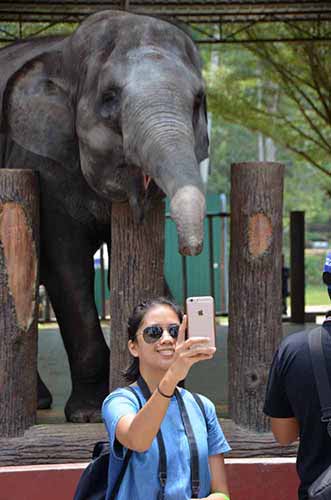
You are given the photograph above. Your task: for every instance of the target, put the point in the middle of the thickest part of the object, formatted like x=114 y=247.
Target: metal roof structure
x=213 y=21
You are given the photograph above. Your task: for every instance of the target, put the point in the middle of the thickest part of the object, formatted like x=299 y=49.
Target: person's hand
x=188 y=352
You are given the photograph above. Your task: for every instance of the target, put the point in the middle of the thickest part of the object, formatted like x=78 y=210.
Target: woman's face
x=158 y=355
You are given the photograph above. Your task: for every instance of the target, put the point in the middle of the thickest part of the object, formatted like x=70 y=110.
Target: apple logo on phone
x=200 y=312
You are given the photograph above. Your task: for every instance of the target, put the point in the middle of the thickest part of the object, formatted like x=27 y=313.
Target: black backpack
x=93 y=482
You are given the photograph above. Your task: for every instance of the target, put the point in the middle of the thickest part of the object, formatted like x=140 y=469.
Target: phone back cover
x=201 y=317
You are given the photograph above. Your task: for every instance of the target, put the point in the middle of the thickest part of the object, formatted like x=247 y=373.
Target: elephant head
x=122 y=98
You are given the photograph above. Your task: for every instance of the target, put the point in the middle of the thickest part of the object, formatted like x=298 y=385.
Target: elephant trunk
x=164 y=145
x=187 y=209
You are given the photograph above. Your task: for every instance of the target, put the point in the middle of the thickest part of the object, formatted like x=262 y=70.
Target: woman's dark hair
x=131 y=373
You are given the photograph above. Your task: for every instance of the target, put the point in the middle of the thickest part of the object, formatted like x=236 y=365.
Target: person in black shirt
x=292 y=403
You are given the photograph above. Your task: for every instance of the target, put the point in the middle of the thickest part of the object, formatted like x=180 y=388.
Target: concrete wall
x=256 y=479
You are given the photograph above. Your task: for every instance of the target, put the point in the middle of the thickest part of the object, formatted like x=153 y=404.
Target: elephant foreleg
x=44 y=396
x=69 y=281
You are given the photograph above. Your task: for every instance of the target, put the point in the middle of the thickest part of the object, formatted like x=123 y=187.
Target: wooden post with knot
x=255 y=301
x=19 y=250
x=137 y=261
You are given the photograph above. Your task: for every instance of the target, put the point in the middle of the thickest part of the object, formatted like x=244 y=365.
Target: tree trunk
x=255 y=312
x=137 y=259
x=19 y=250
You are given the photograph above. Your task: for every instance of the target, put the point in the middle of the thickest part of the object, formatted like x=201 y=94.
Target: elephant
x=114 y=112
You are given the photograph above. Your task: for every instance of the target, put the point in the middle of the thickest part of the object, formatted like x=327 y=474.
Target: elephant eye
x=109 y=103
x=109 y=96
x=198 y=100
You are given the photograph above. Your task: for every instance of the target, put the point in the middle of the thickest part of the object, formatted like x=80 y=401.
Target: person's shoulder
x=206 y=402
x=186 y=394
x=123 y=394
x=294 y=341
x=293 y=348
x=327 y=325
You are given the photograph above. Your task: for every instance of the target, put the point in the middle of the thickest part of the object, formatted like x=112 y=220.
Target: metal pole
x=102 y=284
x=47 y=315
x=224 y=258
x=211 y=254
x=297 y=266
x=184 y=274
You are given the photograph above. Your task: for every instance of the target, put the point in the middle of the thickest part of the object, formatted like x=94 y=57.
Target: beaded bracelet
x=166 y=396
x=226 y=497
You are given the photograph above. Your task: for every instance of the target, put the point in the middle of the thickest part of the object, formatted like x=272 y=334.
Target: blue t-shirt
x=141 y=481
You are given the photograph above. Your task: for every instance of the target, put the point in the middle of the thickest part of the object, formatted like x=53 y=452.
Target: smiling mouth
x=166 y=352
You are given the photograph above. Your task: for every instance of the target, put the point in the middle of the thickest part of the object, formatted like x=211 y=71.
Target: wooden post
x=137 y=259
x=19 y=250
x=297 y=266
x=255 y=312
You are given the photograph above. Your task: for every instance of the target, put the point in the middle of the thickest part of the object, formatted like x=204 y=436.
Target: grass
x=317 y=295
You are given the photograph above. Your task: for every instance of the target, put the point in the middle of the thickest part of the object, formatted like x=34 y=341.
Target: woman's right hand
x=188 y=352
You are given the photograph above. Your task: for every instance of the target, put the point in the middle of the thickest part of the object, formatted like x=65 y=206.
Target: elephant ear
x=201 y=132
x=37 y=113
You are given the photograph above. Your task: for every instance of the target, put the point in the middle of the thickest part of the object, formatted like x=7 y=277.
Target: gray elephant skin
x=114 y=112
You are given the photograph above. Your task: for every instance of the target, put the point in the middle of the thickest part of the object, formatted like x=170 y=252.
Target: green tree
x=284 y=92
x=295 y=107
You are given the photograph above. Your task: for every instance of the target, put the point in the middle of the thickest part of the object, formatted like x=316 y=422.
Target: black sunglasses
x=153 y=333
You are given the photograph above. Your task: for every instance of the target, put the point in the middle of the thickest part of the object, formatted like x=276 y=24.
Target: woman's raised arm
x=137 y=432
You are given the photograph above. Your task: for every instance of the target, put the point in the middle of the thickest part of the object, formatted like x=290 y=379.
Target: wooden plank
x=70 y=443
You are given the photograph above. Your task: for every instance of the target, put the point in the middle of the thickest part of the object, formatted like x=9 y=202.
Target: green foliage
x=303 y=184
x=317 y=295
x=230 y=143
x=314 y=263
x=282 y=91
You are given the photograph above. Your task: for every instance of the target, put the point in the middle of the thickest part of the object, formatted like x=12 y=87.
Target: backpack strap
x=127 y=455
x=162 y=471
x=194 y=454
x=320 y=372
x=202 y=408
x=195 y=475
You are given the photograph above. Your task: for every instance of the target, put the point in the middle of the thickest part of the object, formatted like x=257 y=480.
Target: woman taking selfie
x=176 y=441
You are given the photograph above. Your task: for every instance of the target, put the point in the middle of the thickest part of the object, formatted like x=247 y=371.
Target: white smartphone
x=201 y=318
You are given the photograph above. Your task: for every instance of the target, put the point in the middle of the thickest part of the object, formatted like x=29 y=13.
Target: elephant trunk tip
x=191 y=247
x=187 y=209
